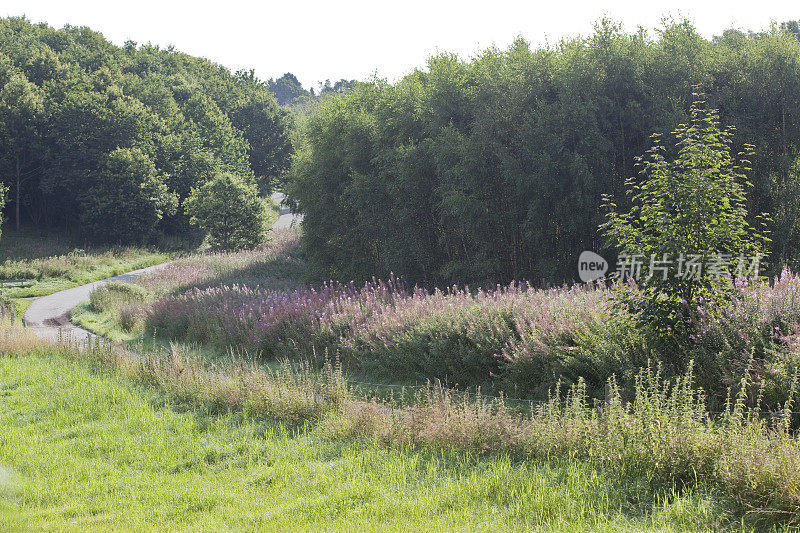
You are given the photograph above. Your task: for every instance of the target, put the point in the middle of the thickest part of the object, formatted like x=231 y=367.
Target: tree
x=286 y=89
x=792 y=27
x=21 y=106
x=694 y=207
x=230 y=211
x=341 y=86
x=3 y=194
x=69 y=98
x=127 y=199
x=265 y=127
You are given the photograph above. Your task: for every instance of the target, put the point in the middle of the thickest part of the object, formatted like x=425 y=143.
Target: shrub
x=230 y=210
x=693 y=205
x=110 y=296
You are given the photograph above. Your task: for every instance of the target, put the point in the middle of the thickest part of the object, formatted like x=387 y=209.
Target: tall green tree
x=21 y=110
x=494 y=169
x=69 y=99
x=126 y=199
x=287 y=88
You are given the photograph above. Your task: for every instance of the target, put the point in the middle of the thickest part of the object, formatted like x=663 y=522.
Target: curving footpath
x=286 y=219
x=49 y=316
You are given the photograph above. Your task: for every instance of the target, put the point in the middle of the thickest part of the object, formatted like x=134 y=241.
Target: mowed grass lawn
x=82 y=448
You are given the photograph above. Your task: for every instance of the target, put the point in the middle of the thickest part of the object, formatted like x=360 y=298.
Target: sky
x=356 y=39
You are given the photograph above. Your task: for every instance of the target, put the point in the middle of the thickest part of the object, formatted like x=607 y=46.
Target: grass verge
x=97 y=439
x=53 y=264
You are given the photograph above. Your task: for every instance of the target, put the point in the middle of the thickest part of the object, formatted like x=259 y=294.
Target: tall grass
x=274 y=265
x=77 y=265
x=84 y=449
x=52 y=264
x=516 y=337
x=512 y=338
x=665 y=437
x=663 y=440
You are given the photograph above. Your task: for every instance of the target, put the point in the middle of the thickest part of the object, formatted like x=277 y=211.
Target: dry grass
x=17 y=340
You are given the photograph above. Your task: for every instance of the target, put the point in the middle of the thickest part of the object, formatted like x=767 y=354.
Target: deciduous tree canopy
x=106 y=140
x=493 y=169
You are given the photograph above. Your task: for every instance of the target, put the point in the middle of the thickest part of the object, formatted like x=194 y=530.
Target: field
x=93 y=441
x=717 y=439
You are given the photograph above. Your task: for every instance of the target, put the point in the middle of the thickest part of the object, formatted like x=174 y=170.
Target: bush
x=127 y=200
x=692 y=206
x=113 y=294
x=230 y=210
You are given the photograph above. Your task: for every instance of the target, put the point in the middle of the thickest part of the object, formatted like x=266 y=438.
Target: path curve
x=286 y=219
x=49 y=316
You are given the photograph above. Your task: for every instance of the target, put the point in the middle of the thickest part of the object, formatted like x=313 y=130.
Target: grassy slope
x=85 y=449
x=100 y=322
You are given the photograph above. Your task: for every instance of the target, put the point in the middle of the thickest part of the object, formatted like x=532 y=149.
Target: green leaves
x=127 y=199
x=230 y=210
x=69 y=100
x=692 y=204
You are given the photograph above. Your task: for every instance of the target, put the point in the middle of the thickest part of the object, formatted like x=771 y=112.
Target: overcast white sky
x=353 y=39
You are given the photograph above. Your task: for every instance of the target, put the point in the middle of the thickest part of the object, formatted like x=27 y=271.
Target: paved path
x=49 y=316
x=287 y=219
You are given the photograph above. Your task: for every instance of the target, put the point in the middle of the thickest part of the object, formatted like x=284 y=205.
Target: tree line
x=289 y=91
x=109 y=142
x=494 y=168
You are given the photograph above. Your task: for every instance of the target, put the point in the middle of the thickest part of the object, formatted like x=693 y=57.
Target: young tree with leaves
x=691 y=206
x=230 y=211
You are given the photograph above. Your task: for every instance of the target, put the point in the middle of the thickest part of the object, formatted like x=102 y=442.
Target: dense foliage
x=493 y=169
x=687 y=213
x=230 y=211
x=288 y=91
x=108 y=140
